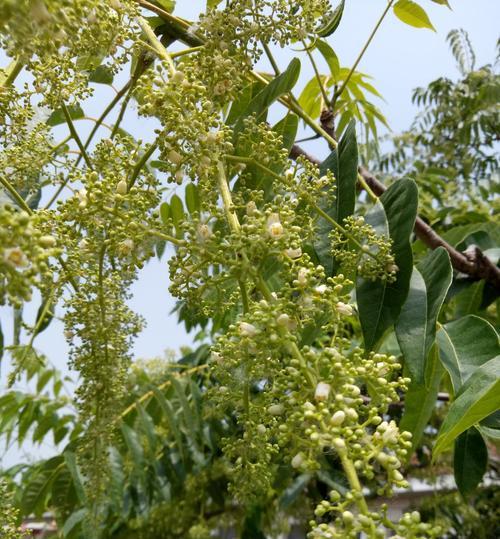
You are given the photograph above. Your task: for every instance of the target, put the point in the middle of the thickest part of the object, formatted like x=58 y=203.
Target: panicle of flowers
x=105 y=229
x=25 y=252
x=62 y=41
x=360 y=249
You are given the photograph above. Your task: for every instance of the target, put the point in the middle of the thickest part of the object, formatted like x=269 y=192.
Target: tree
x=313 y=322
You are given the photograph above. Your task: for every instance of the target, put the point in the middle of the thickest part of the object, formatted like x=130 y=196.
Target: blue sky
x=399 y=59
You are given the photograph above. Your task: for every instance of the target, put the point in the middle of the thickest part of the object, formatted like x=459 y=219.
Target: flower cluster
x=62 y=41
x=105 y=228
x=25 y=251
x=359 y=249
x=8 y=517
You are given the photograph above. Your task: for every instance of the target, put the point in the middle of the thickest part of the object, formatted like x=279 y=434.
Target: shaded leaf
x=58 y=118
x=333 y=22
x=470 y=460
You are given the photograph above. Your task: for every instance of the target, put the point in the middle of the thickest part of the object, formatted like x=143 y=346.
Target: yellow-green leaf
x=412 y=14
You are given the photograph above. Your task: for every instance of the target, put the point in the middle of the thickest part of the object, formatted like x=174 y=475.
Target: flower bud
x=276 y=409
x=247 y=330
x=337 y=418
x=121 y=187
x=297 y=460
x=178 y=77
x=293 y=253
x=174 y=157
x=302 y=276
x=47 y=241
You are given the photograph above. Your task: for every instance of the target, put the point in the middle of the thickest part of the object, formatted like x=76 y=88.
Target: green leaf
x=442 y=3
x=330 y=58
x=75 y=518
x=287 y=129
x=291 y=494
x=71 y=464
x=165 y=212
x=420 y=400
x=343 y=163
x=470 y=461
x=58 y=118
x=241 y=103
x=102 y=75
x=168 y=410
x=332 y=24
x=177 y=212
x=465 y=345
x=478 y=398
x=412 y=14
x=380 y=302
x=192 y=198
x=47 y=306
x=416 y=325
x=37 y=487
x=134 y=446
x=278 y=86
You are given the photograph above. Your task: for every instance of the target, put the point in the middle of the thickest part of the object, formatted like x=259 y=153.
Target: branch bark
x=472 y=262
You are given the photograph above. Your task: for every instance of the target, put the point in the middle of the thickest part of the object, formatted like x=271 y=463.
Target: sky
x=399 y=59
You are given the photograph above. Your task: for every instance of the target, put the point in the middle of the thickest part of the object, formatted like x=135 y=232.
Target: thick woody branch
x=472 y=262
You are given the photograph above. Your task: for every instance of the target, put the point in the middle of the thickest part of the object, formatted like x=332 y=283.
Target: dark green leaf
x=47 y=306
x=71 y=464
x=420 y=400
x=291 y=494
x=287 y=129
x=416 y=325
x=333 y=22
x=240 y=104
x=278 y=86
x=343 y=163
x=380 y=302
x=470 y=461
x=102 y=75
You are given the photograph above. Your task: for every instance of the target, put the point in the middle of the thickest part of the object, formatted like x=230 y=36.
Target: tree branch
x=473 y=262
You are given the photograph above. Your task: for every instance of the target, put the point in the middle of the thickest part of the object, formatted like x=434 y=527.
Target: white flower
x=390 y=432
x=293 y=253
x=297 y=461
x=337 y=418
x=216 y=357
x=274 y=227
x=126 y=246
x=344 y=308
x=322 y=391
x=261 y=429
x=122 y=187
x=251 y=208
x=204 y=232
x=83 y=244
x=302 y=276
x=14 y=257
x=247 y=330
x=321 y=289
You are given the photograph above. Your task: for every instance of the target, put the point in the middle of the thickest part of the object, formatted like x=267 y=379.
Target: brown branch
x=472 y=262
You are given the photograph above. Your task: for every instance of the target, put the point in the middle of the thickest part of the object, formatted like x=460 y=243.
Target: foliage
x=312 y=320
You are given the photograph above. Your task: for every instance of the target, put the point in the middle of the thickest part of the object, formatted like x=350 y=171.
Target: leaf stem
x=75 y=135
x=361 y=54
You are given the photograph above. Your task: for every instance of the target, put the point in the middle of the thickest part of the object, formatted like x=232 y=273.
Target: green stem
x=15 y=195
x=361 y=54
x=142 y=161
x=318 y=75
x=231 y=216
x=75 y=135
x=270 y=57
x=157 y=44
x=11 y=72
